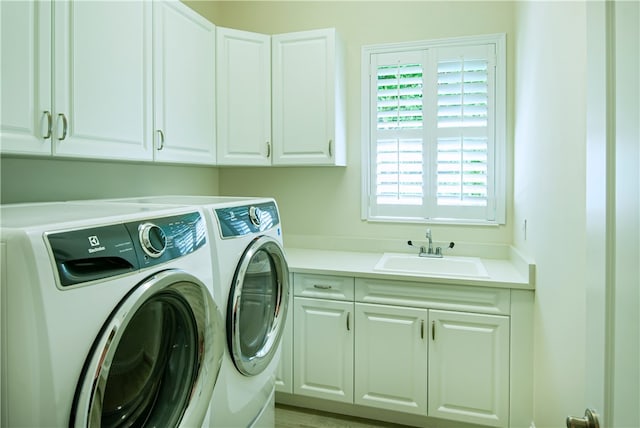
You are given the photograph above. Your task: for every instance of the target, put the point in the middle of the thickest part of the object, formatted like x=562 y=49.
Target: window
x=434 y=131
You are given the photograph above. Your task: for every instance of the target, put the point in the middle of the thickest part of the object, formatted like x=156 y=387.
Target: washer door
x=157 y=358
x=257 y=305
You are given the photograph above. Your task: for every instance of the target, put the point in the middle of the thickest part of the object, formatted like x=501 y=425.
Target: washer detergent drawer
x=92 y=254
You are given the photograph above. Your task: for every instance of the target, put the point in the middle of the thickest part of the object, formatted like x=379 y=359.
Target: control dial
x=152 y=239
x=254 y=216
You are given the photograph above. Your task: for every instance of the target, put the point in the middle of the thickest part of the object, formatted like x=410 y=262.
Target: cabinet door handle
x=433 y=330
x=268 y=149
x=49 y=124
x=161 y=139
x=421 y=329
x=65 y=126
x=348 y=326
x=330 y=151
x=322 y=286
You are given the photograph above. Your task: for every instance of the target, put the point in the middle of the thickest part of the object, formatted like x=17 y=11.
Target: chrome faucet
x=429 y=250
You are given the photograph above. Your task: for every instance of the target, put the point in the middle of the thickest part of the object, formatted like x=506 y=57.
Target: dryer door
x=257 y=305
x=156 y=360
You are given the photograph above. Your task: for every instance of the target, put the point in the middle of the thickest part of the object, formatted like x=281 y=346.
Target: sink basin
x=447 y=266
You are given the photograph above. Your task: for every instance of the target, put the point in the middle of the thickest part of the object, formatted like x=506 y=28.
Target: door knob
x=590 y=420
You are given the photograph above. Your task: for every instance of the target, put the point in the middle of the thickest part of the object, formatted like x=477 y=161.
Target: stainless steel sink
x=471 y=267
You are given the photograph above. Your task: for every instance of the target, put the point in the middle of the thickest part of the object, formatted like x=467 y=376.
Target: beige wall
x=550 y=193
x=36 y=180
x=547 y=126
x=326 y=201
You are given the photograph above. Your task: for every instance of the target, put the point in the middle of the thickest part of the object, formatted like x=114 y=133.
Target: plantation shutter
x=398 y=116
x=432 y=133
x=464 y=131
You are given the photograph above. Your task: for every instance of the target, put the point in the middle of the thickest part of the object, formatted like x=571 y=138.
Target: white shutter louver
x=399 y=172
x=462 y=93
x=399 y=96
x=462 y=143
x=399 y=164
x=462 y=171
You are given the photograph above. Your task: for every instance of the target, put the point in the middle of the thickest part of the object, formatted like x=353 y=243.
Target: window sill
x=445 y=221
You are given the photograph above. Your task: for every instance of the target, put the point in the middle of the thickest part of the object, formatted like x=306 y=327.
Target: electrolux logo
x=95 y=245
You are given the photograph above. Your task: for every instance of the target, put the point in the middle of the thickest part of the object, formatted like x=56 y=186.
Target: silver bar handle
x=322 y=286
x=421 y=329
x=161 y=139
x=433 y=330
x=268 y=149
x=65 y=126
x=49 y=124
x=348 y=326
x=330 y=151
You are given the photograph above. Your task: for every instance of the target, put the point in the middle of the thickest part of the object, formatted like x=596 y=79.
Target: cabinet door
x=284 y=371
x=391 y=358
x=184 y=85
x=102 y=79
x=323 y=349
x=469 y=367
x=26 y=114
x=244 y=97
x=307 y=98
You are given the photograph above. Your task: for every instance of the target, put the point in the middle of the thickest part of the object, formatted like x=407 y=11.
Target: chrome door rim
x=257 y=364
x=210 y=331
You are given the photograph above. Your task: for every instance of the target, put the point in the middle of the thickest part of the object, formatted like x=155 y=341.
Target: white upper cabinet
x=244 y=97
x=184 y=85
x=281 y=99
x=84 y=78
x=308 y=98
x=76 y=79
x=102 y=90
x=26 y=115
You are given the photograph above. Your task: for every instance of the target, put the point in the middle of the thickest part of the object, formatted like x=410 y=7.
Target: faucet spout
x=428 y=236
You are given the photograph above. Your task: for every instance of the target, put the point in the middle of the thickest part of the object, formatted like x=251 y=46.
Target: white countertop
x=514 y=274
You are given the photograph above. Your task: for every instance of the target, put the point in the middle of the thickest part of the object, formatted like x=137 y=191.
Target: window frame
x=499 y=171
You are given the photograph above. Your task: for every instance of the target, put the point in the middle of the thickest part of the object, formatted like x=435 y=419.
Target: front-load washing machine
x=107 y=317
x=251 y=267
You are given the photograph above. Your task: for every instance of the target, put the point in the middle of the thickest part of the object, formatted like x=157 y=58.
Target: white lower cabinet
x=404 y=346
x=323 y=349
x=390 y=357
x=284 y=371
x=469 y=367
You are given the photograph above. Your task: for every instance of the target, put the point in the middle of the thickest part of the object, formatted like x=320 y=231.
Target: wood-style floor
x=294 y=417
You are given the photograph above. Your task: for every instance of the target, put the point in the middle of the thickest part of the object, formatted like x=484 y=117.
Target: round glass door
x=257 y=305
x=157 y=360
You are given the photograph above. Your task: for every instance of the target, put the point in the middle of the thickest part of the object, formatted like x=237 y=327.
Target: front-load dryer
x=107 y=316
x=253 y=279
x=252 y=264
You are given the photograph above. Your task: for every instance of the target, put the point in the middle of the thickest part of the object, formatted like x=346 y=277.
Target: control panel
x=91 y=254
x=242 y=220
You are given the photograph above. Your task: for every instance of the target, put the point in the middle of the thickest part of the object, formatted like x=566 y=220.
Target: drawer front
x=323 y=286
x=434 y=296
